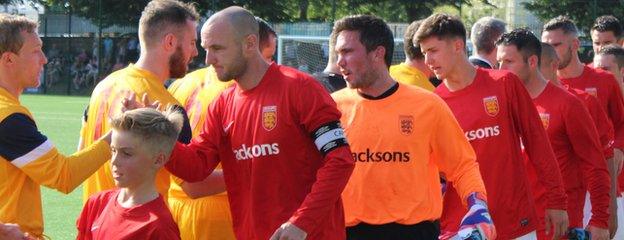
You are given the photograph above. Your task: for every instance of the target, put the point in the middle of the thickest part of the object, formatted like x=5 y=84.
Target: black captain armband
x=328 y=137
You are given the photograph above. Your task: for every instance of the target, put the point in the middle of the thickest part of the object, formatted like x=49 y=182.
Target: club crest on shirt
x=592 y=91
x=545 y=117
x=406 y=124
x=269 y=117
x=491 y=105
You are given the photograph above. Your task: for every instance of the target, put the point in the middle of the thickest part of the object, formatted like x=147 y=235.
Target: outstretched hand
x=130 y=103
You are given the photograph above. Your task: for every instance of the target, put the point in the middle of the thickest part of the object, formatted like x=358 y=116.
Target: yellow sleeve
x=64 y=173
x=454 y=154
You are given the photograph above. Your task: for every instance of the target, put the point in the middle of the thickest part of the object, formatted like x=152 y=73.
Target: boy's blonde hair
x=157 y=130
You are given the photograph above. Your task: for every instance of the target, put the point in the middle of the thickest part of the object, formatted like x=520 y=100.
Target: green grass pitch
x=59 y=118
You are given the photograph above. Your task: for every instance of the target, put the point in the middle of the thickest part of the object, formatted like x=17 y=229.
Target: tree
x=583 y=12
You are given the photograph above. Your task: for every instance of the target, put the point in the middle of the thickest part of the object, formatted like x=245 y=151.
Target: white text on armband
x=329 y=137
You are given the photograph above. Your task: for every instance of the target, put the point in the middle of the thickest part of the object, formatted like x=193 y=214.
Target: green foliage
x=583 y=12
x=124 y=13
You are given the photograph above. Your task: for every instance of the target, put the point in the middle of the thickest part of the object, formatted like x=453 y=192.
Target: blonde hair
x=11 y=26
x=158 y=130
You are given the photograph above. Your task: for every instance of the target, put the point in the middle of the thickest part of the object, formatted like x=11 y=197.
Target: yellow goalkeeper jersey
x=207 y=217
x=105 y=103
x=29 y=159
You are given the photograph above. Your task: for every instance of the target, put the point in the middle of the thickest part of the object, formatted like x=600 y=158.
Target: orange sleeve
x=454 y=155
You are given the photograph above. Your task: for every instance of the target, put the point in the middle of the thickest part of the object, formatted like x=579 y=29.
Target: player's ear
x=576 y=43
x=533 y=62
x=250 y=42
x=170 y=41
x=458 y=45
x=160 y=160
x=7 y=58
x=380 y=53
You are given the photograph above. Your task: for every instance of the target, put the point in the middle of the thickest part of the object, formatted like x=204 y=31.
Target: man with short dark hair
x=571 y=132
x=606 y=30
x=413 y=70
x=483 y=35
x=497 y=116
x=167 y=34
x=394 y=191
x=611 y=58
x=562 y=34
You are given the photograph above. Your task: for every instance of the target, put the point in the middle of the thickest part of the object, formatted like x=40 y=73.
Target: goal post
x=310 y=53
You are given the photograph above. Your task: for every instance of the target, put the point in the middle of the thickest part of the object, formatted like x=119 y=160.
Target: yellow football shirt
x=29 y=159
x=207 y=217
x=406 y=74
x=105 y=103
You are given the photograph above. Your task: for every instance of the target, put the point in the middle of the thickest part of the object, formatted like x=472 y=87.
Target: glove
x=578 y=234
x=477 y=224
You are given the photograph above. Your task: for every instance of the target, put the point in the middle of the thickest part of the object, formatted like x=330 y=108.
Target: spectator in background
x=483 y=35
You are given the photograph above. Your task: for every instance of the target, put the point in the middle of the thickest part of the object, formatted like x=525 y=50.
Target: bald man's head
x=230 y=38
x=550 y=62
x=242 y=23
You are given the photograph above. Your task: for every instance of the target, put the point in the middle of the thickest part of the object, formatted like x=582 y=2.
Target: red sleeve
x=602 y=123
x=536 y=143
x=585 y=144
x=91 y=211
x=193 y=162
x=616 y=110
x=314 y=111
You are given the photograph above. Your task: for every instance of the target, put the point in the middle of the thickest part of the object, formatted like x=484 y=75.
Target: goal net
x=310 y=53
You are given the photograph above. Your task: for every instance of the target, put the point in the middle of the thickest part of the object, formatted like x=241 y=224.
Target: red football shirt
x=495 y=112
x=600 y=118
x=103 y=218
x=575 y=142
x=604 y=86
x=272 y=168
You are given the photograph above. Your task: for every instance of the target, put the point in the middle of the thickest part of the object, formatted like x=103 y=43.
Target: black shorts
x=427 y=230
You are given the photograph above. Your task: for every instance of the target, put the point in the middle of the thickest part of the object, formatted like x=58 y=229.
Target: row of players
x=286 y=160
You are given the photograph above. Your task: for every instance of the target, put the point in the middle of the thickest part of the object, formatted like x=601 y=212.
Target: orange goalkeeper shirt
x=400 y=144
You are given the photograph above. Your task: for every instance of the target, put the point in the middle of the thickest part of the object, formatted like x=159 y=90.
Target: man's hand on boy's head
x=130 y=103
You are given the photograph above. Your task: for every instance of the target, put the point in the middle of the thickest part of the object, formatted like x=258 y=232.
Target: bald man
x=277 y=135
